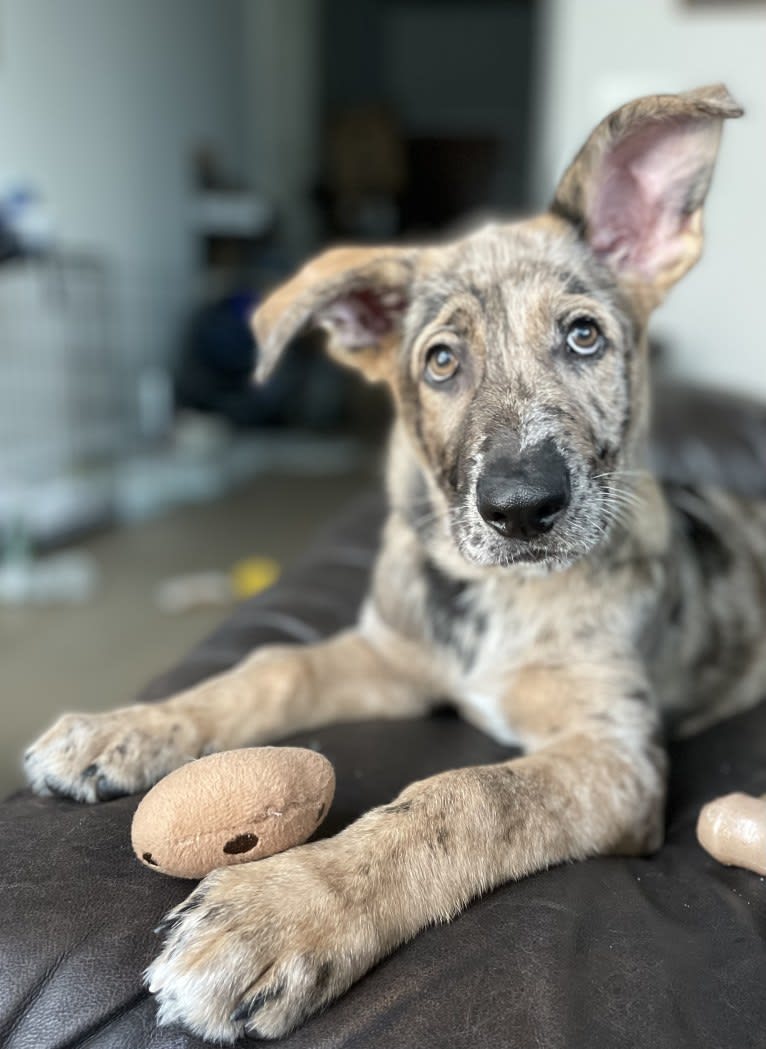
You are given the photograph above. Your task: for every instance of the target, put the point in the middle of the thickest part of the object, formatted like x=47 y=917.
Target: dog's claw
x=108 y=791
x=249 y=1007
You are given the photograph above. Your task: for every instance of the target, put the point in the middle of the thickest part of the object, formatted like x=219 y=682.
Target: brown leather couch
x=666 y=951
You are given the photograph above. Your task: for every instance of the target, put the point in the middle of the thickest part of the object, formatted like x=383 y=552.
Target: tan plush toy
x=232 y=807
x=733 y=830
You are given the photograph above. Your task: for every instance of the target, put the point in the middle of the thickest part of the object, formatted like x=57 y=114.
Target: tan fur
x=291 y=307
x=574 y=645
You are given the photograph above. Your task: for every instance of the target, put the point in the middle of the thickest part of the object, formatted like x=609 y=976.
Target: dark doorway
x=427 y=110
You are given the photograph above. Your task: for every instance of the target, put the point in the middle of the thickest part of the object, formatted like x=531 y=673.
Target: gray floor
x=99 y=654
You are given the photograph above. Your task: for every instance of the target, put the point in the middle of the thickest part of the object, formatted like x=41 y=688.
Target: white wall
x=101 y=105
x=281 y=41
x=596 y=54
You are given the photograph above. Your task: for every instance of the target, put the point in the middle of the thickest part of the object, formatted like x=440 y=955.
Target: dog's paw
x=257 y=949
x=97 y=757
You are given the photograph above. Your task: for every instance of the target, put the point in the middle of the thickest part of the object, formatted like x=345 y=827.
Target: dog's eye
x=441 y=363
x=584 y=337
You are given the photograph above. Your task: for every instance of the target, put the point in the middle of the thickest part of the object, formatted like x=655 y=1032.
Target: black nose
x=522 y=496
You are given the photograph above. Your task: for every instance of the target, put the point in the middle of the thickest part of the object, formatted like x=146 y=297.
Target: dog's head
x=517 y=355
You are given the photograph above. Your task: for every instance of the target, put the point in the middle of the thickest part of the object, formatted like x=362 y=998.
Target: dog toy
x=201 y=589
x=254 y=574
x=733 y=830
x=232 y=807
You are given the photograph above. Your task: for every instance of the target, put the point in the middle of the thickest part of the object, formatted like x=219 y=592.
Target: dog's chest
x=483 y=634
x=479 y=629
x=488 y=624
x=490 y=645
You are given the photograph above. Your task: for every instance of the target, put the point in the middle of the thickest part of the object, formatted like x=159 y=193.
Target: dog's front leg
x=259 y=948
x=278 y=690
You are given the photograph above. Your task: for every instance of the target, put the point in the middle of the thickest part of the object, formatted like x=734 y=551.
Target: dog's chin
x=532 y=562
x=553 y=554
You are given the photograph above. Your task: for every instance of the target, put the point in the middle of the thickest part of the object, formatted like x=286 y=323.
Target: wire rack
x=85 y=356
x=59 y=396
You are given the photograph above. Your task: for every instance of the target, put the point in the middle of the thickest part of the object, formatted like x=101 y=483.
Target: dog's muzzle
x=522 y=496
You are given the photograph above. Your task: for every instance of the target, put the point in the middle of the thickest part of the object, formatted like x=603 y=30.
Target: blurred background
x=163 y=163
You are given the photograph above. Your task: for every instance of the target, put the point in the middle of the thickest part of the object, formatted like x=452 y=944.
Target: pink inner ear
x=647 y=187
x=362 y=317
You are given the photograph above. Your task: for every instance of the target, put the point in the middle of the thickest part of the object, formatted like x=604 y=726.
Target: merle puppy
x=532 y=569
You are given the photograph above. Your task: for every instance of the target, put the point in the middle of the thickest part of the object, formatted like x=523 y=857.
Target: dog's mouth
x=510 y=554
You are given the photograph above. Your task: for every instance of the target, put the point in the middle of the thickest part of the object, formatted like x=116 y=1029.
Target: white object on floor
x=186 y=592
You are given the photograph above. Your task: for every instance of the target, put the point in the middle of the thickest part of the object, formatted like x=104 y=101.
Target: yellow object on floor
x=254 y=574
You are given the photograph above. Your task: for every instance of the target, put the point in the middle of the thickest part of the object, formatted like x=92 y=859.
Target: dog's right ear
x=357 y=295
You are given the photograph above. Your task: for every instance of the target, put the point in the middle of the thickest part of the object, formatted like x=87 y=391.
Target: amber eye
x=441 y=363
x=584 y=337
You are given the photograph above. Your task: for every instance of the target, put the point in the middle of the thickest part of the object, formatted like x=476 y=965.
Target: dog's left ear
x=636 y=188
x=357 y=295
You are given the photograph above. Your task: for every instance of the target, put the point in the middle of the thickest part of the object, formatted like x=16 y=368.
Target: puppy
x=532 y=570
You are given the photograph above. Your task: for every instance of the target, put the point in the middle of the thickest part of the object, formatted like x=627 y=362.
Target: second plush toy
x=232 y=807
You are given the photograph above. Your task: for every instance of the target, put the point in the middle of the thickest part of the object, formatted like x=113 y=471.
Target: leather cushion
x=666 y=951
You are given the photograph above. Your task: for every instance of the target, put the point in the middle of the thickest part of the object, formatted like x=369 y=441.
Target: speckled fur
x=643 y=609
